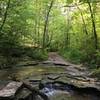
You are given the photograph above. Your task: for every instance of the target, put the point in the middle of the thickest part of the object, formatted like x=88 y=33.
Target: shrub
x=73 y=55
x=36 y=54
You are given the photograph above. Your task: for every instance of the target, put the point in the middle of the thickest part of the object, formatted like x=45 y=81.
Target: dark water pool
x=65 y=92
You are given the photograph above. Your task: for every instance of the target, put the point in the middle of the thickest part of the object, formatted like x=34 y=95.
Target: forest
x=44 y=37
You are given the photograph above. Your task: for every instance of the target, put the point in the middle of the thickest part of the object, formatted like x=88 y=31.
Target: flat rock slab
x=27 y=63
x=10 y=90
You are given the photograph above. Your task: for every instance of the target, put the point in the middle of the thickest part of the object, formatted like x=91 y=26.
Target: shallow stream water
x=54 y=92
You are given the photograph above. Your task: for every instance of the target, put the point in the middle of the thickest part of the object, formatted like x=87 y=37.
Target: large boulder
x=9 y=91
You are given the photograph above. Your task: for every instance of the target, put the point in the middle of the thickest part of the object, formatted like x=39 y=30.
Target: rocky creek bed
x=53 y=79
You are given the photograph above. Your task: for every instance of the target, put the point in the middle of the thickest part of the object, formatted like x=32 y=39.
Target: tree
x=93 y=25
x=5 y=16
x=46 y=24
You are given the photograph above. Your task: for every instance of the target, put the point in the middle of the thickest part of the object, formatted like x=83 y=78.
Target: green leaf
x=69 y=1
x=92 y=1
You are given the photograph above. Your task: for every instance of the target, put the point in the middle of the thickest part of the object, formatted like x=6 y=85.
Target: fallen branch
x=34 y=91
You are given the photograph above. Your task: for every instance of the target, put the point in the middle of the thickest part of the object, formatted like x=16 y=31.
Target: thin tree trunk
x=46 y=24
x=5 y=16
x=94 y=26
x=67 y=34
x=38 y=26
x=83 y=20
x=38 y=31
x=35 y=25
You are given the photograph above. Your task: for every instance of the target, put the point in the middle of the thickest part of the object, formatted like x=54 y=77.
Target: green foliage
x=93 y=1
x=73 y=55
x=69 y=1
x=69 y=30
x=36 y=54
x=96 y=73
x=97 y=56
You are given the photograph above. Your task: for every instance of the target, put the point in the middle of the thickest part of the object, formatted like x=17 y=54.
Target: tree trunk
x=5 y=16
x=46 y=25
x=94 y=26
x=67 y=34
x=84 y=24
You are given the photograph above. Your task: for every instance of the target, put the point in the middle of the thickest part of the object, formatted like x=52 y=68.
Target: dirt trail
x=56 y=59
x=53 y=56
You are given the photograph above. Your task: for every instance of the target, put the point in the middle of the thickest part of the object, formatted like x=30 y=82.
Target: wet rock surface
x=21 y=91
x=77 y=75
x=50 y=90
x=55 y=78
x=10 y=89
